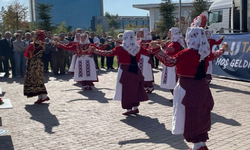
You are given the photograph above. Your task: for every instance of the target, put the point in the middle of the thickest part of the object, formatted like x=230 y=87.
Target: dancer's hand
x=154 y=45
x=226 y=47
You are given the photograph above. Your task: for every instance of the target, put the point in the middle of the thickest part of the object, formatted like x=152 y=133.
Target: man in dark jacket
x=46 y=58
x=154 y=59
x=102 y=41
x=7 y=53
x=110 y=46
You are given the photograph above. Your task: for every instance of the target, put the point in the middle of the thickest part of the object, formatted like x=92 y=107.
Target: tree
x=69 y=28
x=33 y=26
x=112 y=20
x=44 y=16
x=62 y=28
x=111 y=32
x=167 y=16
x=15 y=16
x=99 y=30
x=130 y=26
x=199 y=7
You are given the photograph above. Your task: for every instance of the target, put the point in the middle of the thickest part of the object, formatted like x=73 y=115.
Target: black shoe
x=103 y=67
x=112 y=68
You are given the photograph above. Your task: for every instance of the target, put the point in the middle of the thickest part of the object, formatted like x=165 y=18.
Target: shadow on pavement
x=1 y=121
x=41 y=113
x=156 y=98
x=3 y=93
x=95 y=94
x=157 y=87
x=224 y=88
x=155 y=130
x=6 y=143
x=60 y=78
x=100 y=72
x=215 y=118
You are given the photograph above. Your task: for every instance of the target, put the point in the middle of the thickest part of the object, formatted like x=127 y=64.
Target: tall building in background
x=76 y=13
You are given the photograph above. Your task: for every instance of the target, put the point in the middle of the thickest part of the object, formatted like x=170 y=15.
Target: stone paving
x=90 y=120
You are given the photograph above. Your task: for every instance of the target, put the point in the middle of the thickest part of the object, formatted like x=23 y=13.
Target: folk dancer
x=193 y=101
x=129 y=86
x=145 y=63
x=77 y=39
x=212 y=42
x=85 y=72
x=34 y=75
x=169 y=77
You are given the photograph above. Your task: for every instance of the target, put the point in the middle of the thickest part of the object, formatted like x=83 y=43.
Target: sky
x=120 y=7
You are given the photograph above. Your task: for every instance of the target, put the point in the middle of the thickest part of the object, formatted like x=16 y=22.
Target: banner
x=234 y=64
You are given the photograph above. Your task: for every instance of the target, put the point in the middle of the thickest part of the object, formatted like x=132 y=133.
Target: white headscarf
x=209 y=34
x=75 y=40
x=130 y=43
x=147 y=35
x=196 y=39
x=86 y=40
x=176 y=36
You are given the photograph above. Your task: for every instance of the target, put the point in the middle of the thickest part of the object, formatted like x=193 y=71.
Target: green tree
x=69 y=28
x=130 y=26
x=99 y=30
x=111 y=32
x=167 y=16
x=44 y=16
x=199 y=7
x=33 y=26
x=112 y=20
x=14 y=17
x=61 y=28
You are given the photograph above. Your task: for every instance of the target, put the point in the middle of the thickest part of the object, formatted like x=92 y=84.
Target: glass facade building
x=76 y=13
x=138 y=21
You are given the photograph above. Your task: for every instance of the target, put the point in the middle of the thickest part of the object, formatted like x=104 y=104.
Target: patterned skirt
x=129 y=88
x=193 y=103
x=34 y=78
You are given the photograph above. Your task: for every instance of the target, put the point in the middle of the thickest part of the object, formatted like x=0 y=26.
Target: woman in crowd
x=19 y=47
x=193 y=101
x=34 y=75
x=176 y=44
x=129 y=88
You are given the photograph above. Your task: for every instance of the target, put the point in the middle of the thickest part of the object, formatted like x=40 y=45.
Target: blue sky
x=120 y=7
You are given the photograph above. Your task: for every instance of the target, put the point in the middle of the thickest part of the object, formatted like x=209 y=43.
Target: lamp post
x=179 y=14
x=17 y=21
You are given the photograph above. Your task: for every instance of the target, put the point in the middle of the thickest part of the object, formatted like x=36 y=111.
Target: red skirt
x=132 y=88
x=198 y=102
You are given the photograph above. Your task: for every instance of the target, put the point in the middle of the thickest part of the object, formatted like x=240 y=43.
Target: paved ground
x=90 y=120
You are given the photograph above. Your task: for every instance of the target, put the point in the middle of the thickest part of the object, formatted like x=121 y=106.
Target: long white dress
x=85 y=69
x=168 y=77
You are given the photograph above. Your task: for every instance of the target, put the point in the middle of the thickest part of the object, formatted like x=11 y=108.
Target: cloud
x=5 y=0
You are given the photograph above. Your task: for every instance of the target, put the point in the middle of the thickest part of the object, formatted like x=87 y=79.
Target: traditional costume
x=145 y=63
x=169 y=76
x=193 y=101
x=73 y=60
x=34 y=75
x=85 y=72
x=212 y=42
x=129 y=87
